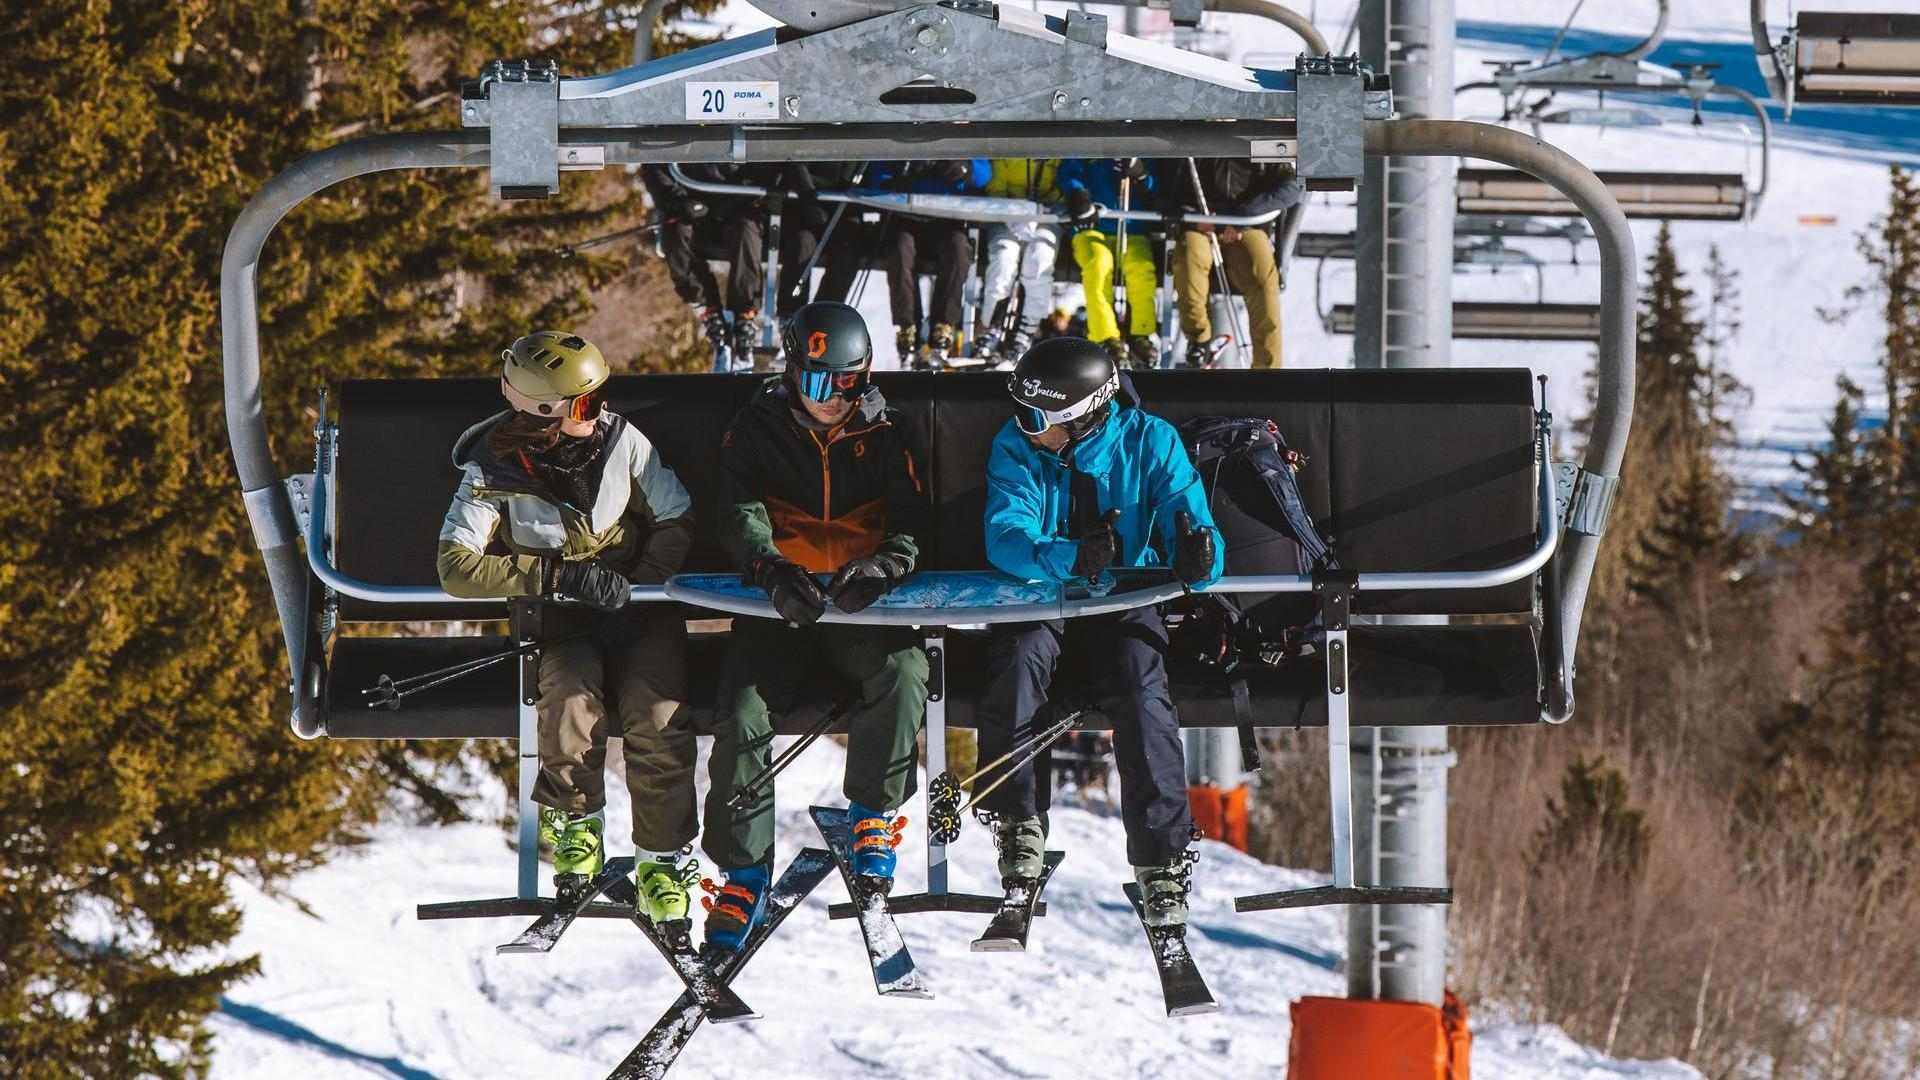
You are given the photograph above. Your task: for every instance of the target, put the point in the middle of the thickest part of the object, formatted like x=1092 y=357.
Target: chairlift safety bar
x=1551 y=530
x=984 y=209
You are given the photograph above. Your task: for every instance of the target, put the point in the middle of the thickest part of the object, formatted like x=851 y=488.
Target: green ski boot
x=661 y=889
x=575 y=839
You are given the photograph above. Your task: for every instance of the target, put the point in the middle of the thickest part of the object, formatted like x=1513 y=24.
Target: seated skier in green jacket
x=561 y=496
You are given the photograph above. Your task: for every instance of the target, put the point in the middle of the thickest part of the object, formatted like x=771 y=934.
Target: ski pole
x=1120 y=246
x=750 y=790
x=567 y=251
x=944 y=812
x=390 y=691
x=1219 y=260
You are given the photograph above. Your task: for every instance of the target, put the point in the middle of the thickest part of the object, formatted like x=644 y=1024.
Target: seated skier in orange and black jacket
x=822 y=478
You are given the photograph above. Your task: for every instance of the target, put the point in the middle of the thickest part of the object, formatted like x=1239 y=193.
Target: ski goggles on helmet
x=1033 y=420
x=587 y=406
x=824 y=386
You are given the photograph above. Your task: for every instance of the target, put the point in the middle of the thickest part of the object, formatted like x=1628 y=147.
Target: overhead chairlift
x=1478 y=521
x=1474 y=320
x=1528 y=93
x=1840 y=58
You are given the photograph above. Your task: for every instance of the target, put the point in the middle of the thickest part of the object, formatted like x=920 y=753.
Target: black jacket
x=821 y=498
x=1234 y=186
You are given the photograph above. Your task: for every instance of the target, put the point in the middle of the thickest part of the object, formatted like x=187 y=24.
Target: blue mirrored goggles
x=824 y=386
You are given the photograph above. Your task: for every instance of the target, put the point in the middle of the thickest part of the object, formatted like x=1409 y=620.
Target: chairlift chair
x=1664 y=195
x=1438 y=485
x=1840 y=58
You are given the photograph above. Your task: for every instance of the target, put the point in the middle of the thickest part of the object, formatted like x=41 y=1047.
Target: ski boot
x=575 y=839
x=661 y=892
x=1206 y=354
x=1116 y=348
x=713 y=324
x=1165 y=889
x=986 y=342
x=1015 y=346
x=940 y=345
x=736 y=908
x=875 y=835
x=1144 y=351
x=906 y=341
x=746 y=338
x=1022 y=843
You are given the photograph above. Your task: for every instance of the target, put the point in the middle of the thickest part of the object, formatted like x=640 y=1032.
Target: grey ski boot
x=1022 y=843
x=1165 y=889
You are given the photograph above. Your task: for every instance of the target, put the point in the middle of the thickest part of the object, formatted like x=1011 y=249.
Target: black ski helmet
x=828 y=351
x=1063 y=380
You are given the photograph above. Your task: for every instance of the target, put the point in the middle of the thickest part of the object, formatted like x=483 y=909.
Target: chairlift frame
x=525 y=124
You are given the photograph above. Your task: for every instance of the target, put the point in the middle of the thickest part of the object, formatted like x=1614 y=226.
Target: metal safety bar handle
x=952 y=207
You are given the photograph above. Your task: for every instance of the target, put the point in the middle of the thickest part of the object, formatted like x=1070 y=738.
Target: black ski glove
x=954 y=172
x=588 y=582
x=1136 y=168
x=862 y=581
x=795 y=595
x=1192 y=550
x=1080 y=208
x=1098 y=548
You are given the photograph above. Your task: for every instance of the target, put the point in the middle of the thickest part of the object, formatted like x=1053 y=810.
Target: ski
x=714 y=997
x=656 y=1053
x=893 y=971
x=1008 y=930
x=1180 y=982
x=545 y=932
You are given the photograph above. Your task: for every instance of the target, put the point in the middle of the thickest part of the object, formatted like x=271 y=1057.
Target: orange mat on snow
x=1342 y=1039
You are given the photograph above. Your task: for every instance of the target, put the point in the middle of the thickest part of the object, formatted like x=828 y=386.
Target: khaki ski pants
x=1250 y=269
x=630 y=668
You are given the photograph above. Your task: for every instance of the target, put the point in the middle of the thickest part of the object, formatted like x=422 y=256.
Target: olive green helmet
x=545 y=370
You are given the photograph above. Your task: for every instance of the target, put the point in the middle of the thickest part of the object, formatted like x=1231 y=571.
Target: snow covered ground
x=354 y=986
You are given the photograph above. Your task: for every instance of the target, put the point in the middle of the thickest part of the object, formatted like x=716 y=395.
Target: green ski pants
x=768 y=666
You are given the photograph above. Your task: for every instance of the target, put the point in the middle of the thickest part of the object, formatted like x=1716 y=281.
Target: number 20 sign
x=733 y=101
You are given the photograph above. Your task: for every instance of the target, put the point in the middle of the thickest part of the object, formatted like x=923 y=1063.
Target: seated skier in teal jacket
x=1077 y=482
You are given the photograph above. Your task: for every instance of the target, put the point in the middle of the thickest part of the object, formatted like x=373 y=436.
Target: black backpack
x=1253 y=489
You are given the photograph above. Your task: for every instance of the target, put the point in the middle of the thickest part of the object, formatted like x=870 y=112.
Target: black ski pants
x=737 y=231
x=945 y=244
x=1127 y=654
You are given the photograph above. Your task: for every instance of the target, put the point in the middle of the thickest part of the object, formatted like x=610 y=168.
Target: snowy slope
x=354 y=986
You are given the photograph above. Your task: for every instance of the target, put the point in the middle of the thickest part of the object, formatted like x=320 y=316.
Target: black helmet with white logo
x=1063 y=380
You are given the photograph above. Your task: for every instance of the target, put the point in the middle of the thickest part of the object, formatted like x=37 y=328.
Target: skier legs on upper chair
x=822 y=478
x=1080 y=480
x=560 y=496
x=1023 y=250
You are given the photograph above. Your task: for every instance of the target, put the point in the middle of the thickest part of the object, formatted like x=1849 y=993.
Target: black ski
x=893 y=971
x=656 y=1053
x=714 y=997
x=1008 y=930
x=545 y=932
x=1180 y=981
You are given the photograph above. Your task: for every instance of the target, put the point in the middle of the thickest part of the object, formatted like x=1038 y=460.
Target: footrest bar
x=914 y=903
x=1330 y=895
x=514 y=906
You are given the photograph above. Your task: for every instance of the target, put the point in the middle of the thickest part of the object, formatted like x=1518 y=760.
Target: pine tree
x=141 y=677
x=1856 y=739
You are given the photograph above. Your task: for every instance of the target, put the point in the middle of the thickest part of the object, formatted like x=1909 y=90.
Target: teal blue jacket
x=1138 y=466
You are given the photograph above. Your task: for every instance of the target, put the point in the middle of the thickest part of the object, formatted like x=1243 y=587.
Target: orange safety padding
x=1220 y=814
x=1343 y=1039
